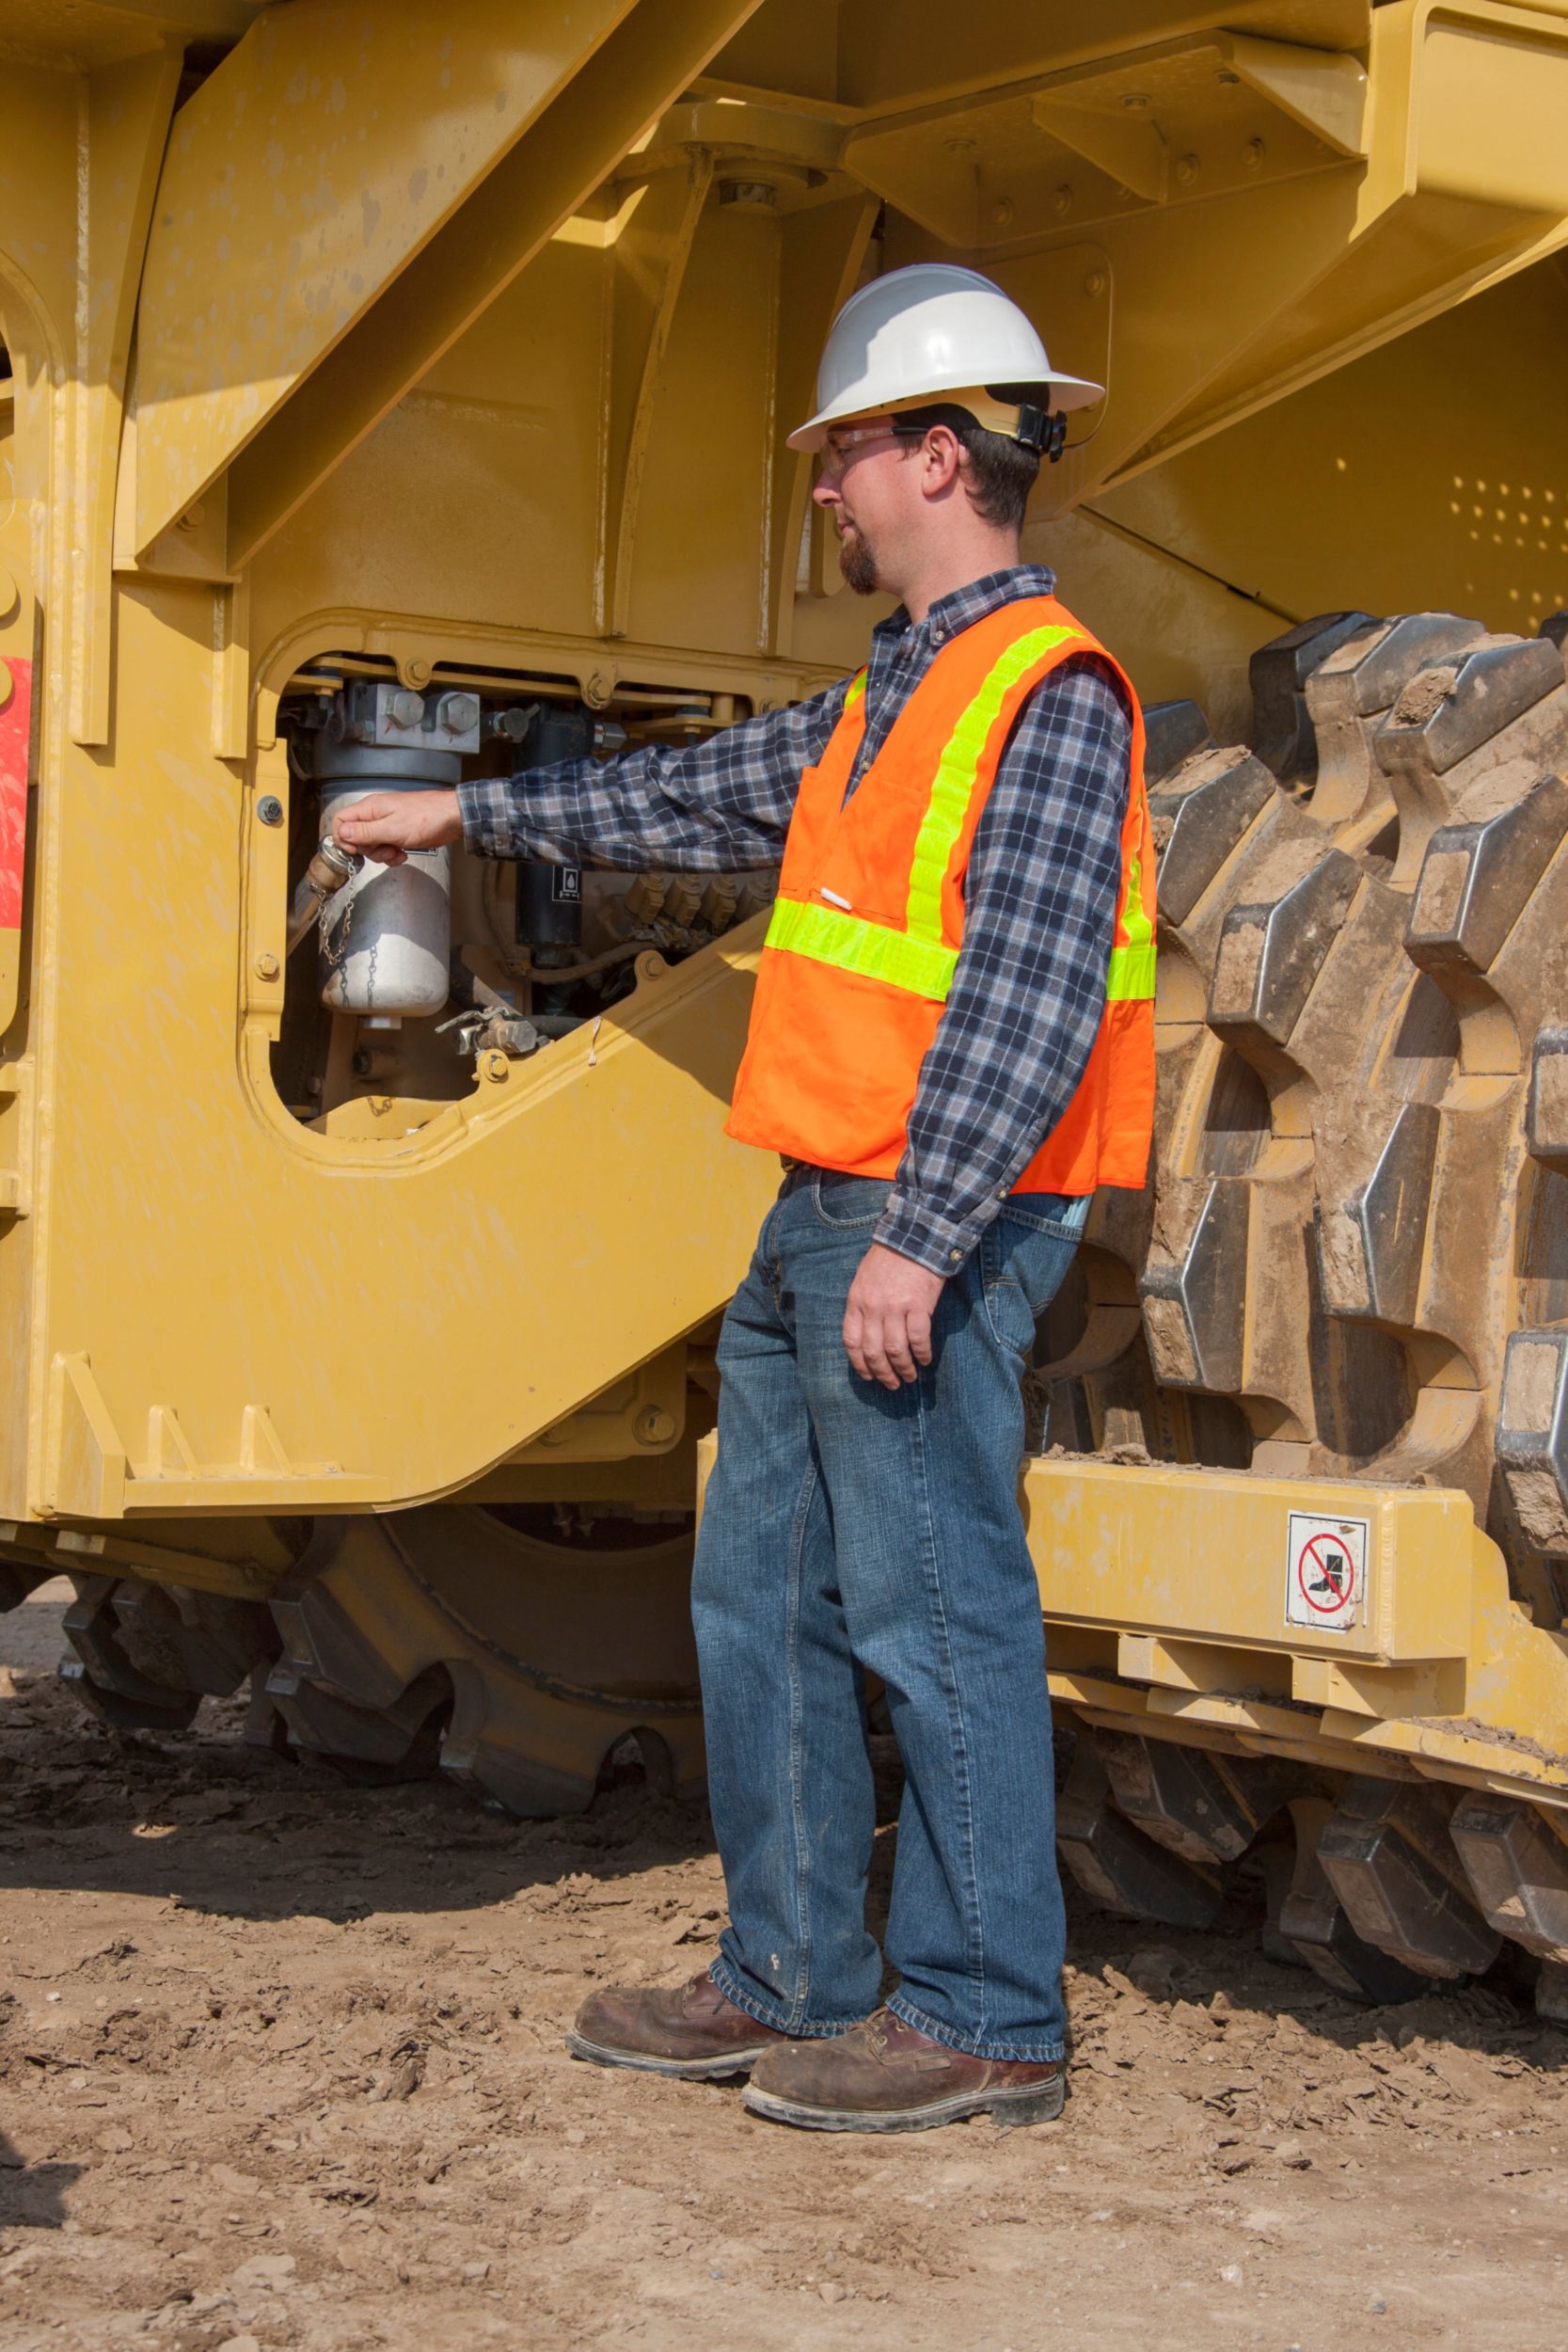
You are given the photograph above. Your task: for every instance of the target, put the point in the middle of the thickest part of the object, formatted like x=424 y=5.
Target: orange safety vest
x=864 y=938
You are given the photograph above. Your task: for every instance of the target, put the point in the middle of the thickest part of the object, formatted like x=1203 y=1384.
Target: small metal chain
x=341 y=931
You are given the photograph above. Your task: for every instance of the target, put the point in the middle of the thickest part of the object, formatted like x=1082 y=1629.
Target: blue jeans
x=848 y=1529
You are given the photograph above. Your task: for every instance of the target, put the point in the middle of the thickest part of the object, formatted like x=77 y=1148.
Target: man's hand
x=385 y=826
x=887 y=1320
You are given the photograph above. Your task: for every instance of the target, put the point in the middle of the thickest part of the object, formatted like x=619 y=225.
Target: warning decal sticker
x=1325 y=1575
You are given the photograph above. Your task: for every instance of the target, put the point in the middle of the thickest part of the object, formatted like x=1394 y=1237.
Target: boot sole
x=700 y=2070
x=1011 y=2109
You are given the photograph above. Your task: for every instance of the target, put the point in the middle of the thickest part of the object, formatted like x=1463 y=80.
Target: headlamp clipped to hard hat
x=936 y=332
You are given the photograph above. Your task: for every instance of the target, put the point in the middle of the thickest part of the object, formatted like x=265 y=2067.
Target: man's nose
x=826 y=493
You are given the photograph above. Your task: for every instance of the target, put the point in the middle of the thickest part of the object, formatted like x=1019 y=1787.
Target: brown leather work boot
x=688 y=2029
x=883 y=2075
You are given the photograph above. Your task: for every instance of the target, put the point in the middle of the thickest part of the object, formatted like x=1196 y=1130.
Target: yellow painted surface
x=300 y=169
x=1201 y=1554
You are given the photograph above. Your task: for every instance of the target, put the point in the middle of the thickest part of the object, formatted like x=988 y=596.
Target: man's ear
x=942 y=456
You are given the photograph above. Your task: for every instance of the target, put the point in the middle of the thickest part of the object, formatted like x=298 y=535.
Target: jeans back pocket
x=1024 y=1261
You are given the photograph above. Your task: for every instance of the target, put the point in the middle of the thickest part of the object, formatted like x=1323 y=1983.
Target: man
x=951 y=1046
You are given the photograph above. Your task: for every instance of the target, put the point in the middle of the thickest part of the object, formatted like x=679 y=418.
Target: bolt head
x=269 y=809
x=493 y=1064
x=460 y=712
x=267 y=967
x=406 y=710
x=655 y=1426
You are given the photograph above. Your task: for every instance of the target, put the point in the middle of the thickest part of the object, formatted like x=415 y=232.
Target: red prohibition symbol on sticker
x=1325 y=1573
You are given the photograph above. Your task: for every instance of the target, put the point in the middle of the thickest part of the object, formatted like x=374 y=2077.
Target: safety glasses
x=845 y=443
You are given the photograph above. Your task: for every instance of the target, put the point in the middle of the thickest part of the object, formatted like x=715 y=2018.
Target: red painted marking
x=1341 y=1595
x=15 y=739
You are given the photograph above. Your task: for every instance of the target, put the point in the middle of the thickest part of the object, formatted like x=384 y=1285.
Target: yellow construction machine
x=394 y=392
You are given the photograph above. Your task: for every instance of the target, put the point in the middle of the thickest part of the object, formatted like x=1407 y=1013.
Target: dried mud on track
x=281 y=2066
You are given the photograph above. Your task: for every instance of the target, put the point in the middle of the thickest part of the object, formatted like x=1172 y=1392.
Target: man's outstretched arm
x=719 y=806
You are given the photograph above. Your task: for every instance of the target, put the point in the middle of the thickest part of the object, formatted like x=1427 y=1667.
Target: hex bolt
x=406 y=710
x=460 y=712
x=493 y=1064
x=267 y=966
x=1254 y=152
x=1186 y=170
x=655 y=1426
x=269 y=809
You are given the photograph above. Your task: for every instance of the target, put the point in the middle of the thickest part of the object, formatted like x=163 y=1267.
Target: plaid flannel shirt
x=1040 y=893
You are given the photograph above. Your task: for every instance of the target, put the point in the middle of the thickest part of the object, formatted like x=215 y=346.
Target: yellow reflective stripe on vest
x=850 y=944
x=1131 y=968
x=957 y=772
x=1131 y=974
x=918 y=958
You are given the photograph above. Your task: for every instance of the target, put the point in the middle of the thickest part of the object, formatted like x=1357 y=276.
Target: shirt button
x=956 y=1256
x=1002 y=1192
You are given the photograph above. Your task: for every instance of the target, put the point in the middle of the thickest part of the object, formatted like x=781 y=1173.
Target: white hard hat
x=930 y=332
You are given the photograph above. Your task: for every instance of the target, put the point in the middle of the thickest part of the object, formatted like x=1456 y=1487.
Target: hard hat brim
x=1067 y=391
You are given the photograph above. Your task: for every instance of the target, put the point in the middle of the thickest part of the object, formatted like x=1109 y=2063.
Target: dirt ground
x=281 y=2066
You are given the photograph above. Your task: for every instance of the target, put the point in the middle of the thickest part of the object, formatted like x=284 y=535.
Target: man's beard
x=856 y=562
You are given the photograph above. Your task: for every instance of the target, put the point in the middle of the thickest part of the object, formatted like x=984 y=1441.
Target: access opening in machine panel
x=401 y=981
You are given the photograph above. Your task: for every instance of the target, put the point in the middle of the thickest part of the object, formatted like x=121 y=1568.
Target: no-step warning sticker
x=1325 y=1578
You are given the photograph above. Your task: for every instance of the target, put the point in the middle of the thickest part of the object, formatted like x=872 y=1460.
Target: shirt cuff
x=484 y=806
x=916 y=1229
